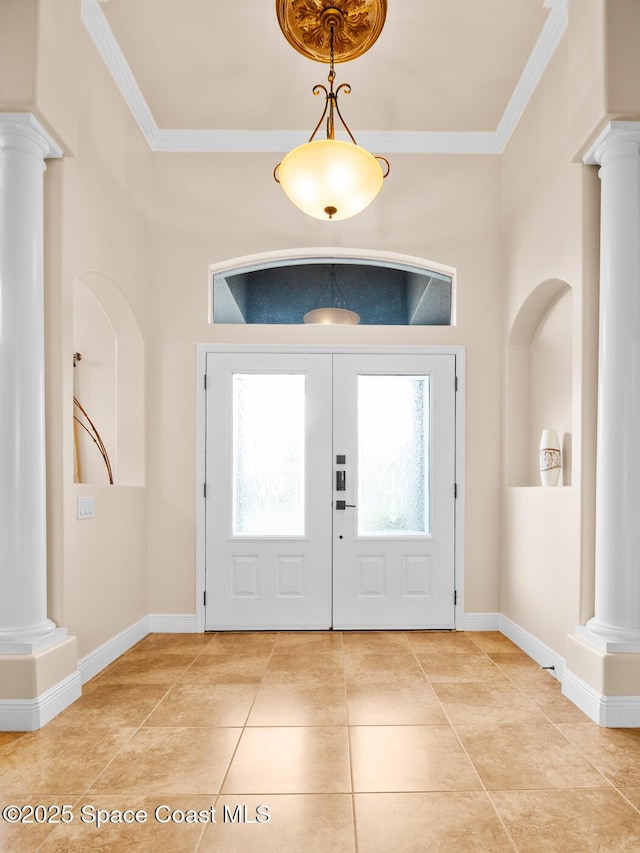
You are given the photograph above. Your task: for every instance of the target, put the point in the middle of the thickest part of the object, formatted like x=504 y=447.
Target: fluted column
x=616 y=623
x=24 y=626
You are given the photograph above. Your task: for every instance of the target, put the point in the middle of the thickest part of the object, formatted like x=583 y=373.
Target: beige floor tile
x=486 y=702
x=299 y=705
x=230 y=642
x=147 y=668
x=290 y=760
x=53 y=759
x=522 y=669
x=423 y=642
x=27 y=837
x=226 y=669
x=316 y=823
x=160 y=830
x=598 y=821
x=390 y=704
x=492 y=641
x=314 y=669
x=553 y=704
x=367 y=642
x=452 y=666
x=615 y=752
x=117 y=705
x=409 y=758
x=7 y=738
x=378 y=668
x=308 y=642
x=174 y=643
x=204 y=705
x=164 y=761
x=419 y=822
x=633 y=795
x=527 y=756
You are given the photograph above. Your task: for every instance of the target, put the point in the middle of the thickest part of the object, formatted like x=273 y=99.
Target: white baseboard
x=27 y=715
x=154 y=623
x=173 y=623
x=532 y=646
x=618 y=712
x=99 y=658
x=478 y=622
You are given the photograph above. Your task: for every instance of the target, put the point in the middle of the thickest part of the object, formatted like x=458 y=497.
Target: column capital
x=27 y=127
x=615 y=134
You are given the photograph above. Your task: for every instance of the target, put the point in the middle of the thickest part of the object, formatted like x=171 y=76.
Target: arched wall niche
x=109 y=381
x=539 y=381
x=429 y=296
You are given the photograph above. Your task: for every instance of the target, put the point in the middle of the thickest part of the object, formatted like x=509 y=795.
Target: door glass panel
x=393 y=455
x=268 y=454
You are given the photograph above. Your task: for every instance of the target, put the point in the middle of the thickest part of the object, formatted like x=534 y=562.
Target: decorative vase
x=550 y=458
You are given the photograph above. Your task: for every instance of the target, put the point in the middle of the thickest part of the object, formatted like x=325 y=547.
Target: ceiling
x=443 y=75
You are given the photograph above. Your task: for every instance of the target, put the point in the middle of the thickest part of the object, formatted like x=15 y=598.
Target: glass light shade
x=332 y=317
x=330 y=176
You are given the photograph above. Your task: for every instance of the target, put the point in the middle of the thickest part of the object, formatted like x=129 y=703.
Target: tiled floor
x=369 y=742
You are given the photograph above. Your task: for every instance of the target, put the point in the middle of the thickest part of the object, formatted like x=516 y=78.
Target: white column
x=24 y=626
x=616 y=623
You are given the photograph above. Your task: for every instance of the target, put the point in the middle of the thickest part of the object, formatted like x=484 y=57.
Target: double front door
x=329 y=491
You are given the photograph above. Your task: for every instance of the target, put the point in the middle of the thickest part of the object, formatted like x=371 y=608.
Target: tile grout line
x=129 y=739
x=469 y=759
x=346 y=710
x=555 y=724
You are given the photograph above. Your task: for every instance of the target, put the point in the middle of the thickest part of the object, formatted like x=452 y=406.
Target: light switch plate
x=86 y=508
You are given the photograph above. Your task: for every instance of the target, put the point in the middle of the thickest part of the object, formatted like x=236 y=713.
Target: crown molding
x=98 y=28
x=554 y=28
x=280 y=141
x=277 y=141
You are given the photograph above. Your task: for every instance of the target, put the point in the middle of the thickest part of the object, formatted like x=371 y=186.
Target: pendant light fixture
x=333 y=314
x=331 y=178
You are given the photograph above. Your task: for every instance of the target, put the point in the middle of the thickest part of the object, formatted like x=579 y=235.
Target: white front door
x=268 y=507
x=394 y=426
x=330 y=491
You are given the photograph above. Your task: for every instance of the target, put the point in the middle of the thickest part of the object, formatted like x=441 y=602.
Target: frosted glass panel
x=268 y=454
x=393 y=455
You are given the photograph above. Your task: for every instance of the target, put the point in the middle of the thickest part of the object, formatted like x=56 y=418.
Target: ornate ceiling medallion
x=307 y=25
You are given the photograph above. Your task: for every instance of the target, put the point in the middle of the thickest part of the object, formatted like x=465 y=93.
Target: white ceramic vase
x=550 y=458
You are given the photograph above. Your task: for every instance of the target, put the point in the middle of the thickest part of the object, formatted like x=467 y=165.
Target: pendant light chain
x=331 y=178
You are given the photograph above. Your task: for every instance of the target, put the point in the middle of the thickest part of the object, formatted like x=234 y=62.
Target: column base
x=608 y=639
x=35 y=688
x=31 y=640
x=606 y=687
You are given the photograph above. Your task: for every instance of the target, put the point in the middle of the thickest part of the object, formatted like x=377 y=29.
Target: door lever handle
x=341 y=481
x=343 y=505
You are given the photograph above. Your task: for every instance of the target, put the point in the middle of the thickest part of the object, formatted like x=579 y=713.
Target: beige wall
x=18 y=41
x=548 y=234
x=622 y=31
x=603 y=67
x=96 y=220
x=210 y=208
x=585 y=82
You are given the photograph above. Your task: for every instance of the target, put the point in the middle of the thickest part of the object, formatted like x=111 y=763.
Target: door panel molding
x=203 y=350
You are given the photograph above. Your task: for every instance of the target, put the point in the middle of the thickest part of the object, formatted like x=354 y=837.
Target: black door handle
x=343 y=505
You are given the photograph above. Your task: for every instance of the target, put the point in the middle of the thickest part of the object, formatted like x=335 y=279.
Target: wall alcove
x=539 y=381
x=109 y=381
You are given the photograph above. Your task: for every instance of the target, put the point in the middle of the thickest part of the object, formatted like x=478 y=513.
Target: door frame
x=203 y=350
